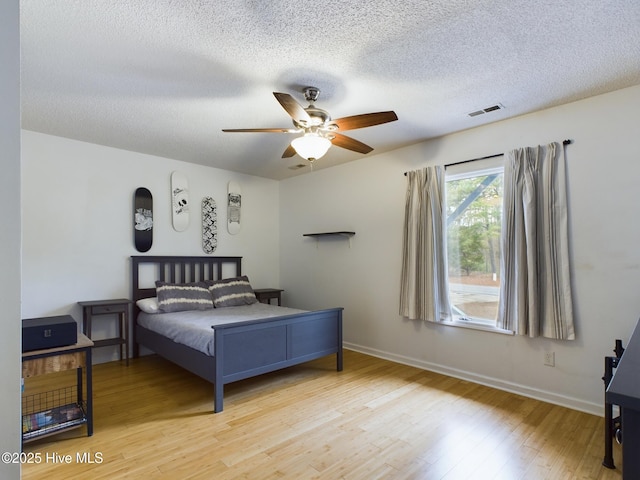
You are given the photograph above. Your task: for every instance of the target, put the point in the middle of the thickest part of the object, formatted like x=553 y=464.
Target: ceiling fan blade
x=365 y=120
x=349 y=143
x=263 y=130
x=289 y=152
x=293 y=108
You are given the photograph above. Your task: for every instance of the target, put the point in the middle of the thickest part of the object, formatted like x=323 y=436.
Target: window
x=474 y=216
x=526 y=197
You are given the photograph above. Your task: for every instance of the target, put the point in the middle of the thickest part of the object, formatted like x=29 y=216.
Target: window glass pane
x=474 y=216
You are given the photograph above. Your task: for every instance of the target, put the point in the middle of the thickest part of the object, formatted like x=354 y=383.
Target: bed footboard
x=247 y=349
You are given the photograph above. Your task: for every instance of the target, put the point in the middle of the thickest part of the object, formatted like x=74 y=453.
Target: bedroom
x=61 y=243
x=605 y=296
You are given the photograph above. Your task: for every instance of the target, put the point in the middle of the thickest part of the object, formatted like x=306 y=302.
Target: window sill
x=474 y=325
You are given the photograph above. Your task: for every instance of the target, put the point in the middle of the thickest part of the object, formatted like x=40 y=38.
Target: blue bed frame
x=243 y=349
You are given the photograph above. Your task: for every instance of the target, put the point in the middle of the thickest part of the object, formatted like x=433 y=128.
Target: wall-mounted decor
x=209 y=225
x=179 y=201
x=341 y=233
x=233 y=208
x=142 y=219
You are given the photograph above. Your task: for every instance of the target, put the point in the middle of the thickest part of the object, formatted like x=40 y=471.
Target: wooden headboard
x=179 y=270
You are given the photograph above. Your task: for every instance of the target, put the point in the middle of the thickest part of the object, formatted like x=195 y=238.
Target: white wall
x=367 y=196
x=78 y=223
x=10 y=234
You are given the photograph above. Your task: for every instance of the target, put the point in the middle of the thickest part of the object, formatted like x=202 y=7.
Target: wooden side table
x=120 y=307
x=264 y=295
x=66 y=407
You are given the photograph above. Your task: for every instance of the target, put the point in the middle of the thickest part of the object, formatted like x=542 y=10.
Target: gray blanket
x=193 y=327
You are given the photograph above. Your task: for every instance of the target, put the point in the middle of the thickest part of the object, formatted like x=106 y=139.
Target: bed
x=238 y=349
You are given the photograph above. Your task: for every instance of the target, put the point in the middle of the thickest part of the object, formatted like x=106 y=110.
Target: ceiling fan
x=318 y=130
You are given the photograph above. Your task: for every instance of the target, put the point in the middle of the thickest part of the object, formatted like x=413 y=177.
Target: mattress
x=193 y=327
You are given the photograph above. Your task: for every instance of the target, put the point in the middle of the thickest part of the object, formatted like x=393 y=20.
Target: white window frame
x=461 y=171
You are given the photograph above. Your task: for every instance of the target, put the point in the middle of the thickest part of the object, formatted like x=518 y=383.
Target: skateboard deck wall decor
x=233 y=208
x=209 y=225
x=179 y=201
x=142 y=219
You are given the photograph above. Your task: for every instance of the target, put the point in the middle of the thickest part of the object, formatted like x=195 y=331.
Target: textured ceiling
x=163 y=77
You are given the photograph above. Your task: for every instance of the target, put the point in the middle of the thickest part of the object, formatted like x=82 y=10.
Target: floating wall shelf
x=317 y=236
x=326 y=234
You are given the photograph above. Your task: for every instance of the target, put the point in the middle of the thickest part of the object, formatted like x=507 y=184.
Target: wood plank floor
x=376 y=419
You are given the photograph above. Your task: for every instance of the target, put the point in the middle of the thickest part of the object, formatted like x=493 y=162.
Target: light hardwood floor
x=376 y=419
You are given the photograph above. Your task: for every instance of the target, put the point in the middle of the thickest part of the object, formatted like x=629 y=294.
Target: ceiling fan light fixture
x=311 y=146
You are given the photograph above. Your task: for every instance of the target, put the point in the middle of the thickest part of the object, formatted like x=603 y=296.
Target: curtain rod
x=564 y=142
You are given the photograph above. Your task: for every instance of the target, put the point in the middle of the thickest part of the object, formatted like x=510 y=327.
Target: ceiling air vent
x=492 y=108
x=297 y=167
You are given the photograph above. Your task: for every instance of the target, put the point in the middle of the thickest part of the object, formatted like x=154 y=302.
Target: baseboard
x=537 y=394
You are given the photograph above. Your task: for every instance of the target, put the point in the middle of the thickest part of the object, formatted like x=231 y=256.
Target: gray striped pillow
x=232 y=292
x=177 y=297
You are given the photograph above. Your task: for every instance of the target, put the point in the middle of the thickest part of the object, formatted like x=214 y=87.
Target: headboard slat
x=181 y=270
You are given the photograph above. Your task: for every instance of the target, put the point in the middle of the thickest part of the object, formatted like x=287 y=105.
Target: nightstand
x=264 y=295
x=119 y=307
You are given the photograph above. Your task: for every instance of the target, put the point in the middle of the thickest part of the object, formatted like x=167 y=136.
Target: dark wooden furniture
x=328 y=234
x=119 y=307
x=54 y=411
x=265 y=295
x=242 y=349
x=624 y=391
x=611 y=424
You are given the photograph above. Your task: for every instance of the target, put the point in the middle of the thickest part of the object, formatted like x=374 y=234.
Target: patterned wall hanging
x=209 y=225
x=233 y=208
x=179 y=201
x=142 y=219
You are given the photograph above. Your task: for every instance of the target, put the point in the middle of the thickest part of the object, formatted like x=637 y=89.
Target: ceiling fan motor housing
x=318 y=116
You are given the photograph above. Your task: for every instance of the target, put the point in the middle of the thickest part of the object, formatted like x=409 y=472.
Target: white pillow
x=148 y=305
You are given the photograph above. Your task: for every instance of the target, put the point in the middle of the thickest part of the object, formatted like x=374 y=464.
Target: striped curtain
x=535 y=289
x=424 y=291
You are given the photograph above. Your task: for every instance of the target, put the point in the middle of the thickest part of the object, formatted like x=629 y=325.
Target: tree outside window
x=474 y=216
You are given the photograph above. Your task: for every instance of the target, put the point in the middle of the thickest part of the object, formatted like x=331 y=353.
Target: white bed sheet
x=193 y=327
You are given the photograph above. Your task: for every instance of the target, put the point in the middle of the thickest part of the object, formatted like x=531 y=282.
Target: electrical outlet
x=550 y=359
